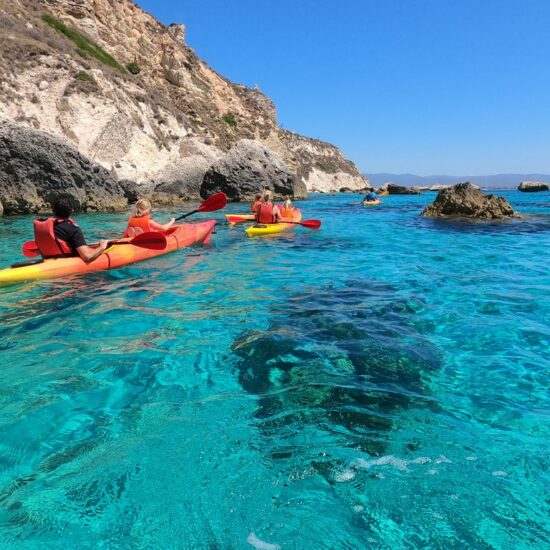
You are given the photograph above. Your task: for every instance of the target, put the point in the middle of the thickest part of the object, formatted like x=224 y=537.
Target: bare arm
x=159 y=227
x=90 y=253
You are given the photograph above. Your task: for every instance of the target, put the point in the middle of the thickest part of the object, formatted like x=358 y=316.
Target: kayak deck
x=273 y=228
x=179 y=236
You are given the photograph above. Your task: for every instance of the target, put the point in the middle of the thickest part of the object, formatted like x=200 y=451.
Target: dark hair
x=62 y=206
x=258 y=196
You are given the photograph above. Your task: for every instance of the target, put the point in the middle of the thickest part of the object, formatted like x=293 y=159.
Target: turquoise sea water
x=380 y=383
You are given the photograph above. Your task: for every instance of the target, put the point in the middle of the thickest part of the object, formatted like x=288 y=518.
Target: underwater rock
x=465 y=200
x=335 y=359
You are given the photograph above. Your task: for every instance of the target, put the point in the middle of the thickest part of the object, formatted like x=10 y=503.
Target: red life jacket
x=256 y=205
x=264 y=214
x=46 y=241
x=137 y=225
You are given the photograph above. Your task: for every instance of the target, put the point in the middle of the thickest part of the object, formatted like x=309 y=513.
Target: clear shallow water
x=381 y=383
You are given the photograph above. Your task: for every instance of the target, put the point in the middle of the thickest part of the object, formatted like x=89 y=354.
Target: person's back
x=371 y=197
x=267 y=212
x=60 y=236
x=287 y=210
x=141 y=221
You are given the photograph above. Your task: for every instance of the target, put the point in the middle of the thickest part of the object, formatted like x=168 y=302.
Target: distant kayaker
x=60 y=236
x=267 y=212
x=287 y=210
x=141 y=221
x=371 y=197
x=256 y=203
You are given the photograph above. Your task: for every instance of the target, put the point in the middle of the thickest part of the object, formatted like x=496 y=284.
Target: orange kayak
x=117 y=255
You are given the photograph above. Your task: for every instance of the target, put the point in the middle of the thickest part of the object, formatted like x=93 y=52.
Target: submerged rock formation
x=131 y=95
x=249 y=168
x=467 y=201
x=533 y=186
x=35 y=167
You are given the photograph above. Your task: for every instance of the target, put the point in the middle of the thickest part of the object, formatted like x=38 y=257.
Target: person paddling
x=371 y=197
x=60 y=236
x=141 y=221
x=267 y=212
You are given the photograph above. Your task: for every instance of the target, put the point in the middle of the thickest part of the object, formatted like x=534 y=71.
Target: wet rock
x=184 y=177
x=131 y=190
x=533 y=186
x=467 y=201
x=249 y=168
x=35 y=167
x=394 y=189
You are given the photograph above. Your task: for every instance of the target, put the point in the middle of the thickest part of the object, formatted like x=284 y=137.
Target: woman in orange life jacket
x=60 y=236
x=287 y=210
x=267 y=212
x=256 y=203
x=141 y=221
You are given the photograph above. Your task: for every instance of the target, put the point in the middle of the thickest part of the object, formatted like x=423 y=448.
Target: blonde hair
x=287 y=204
x=142 y=207
x=267 y=196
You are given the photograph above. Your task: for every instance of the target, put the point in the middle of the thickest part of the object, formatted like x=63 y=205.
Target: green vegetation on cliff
x=84 y=45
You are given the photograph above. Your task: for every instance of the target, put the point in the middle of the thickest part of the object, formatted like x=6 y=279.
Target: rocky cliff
x=131 y=95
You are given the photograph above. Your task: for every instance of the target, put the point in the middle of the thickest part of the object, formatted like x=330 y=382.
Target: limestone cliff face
x=167 y=123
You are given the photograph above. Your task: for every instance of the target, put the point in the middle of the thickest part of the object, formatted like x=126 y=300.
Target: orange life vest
x=264 y=214
x=287 y=212
x=46 y=241
x=137 y=225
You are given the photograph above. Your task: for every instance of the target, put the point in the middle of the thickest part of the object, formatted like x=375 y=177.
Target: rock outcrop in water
x=533 y=186
x=132 y=96
x=465 y=200
x=35 y=167
x=248 y=168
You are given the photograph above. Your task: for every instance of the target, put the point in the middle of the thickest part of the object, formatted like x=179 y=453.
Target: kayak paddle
x=215 y=202
x=310 y=224
x=150 y=239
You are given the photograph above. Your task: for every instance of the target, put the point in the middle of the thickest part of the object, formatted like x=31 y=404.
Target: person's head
x=142 y=207
x=258 y=197
x=288 y=204
x=267 y=196
x=62 y=207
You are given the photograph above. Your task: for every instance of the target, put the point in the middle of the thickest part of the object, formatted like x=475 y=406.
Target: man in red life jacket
x=61 y=236
x=267 y=212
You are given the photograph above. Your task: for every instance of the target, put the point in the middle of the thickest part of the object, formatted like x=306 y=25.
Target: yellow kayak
x=267 y=229
x=371 y=203
x=271 y=228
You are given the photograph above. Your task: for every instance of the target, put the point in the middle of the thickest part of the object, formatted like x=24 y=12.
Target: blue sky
x=423 y=86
